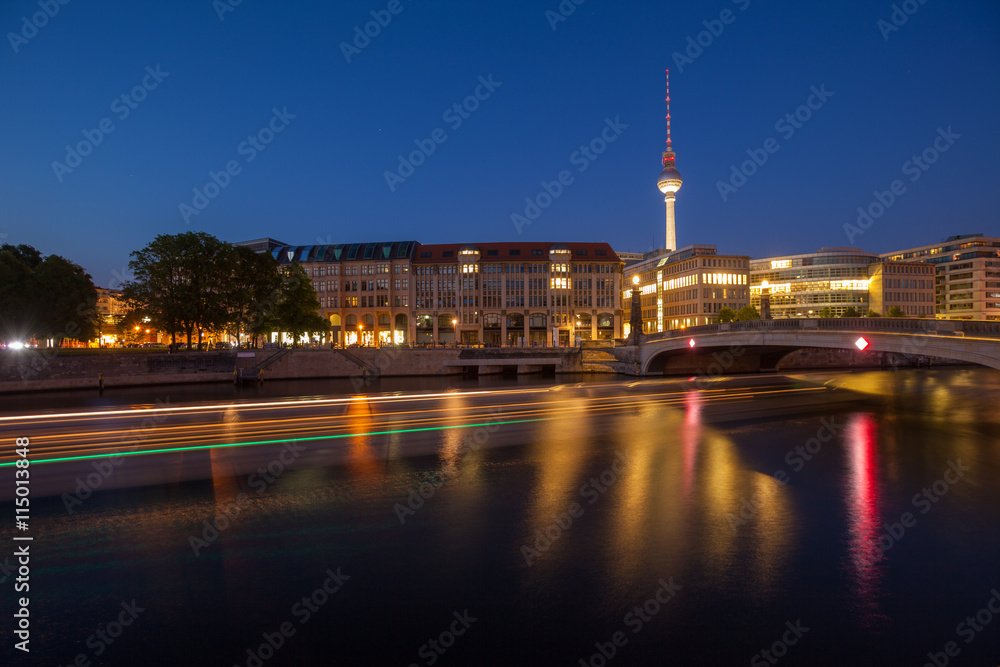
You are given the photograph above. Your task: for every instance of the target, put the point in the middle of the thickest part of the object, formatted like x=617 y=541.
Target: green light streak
x=270 y=442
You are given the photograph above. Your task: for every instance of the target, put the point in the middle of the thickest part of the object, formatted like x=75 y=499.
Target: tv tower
x=669 y=181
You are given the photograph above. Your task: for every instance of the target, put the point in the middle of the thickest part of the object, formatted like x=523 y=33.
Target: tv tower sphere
x=669 y=180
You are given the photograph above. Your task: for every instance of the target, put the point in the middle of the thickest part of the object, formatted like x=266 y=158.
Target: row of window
x=906 y=283
x=556 y=267
x=908 y=296
x=373 y=301
x=354 y=269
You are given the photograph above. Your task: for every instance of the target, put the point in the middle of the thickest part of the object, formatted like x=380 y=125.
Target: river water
x=861 y=532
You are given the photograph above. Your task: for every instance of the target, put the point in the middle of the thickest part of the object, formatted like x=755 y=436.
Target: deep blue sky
x=322 y=178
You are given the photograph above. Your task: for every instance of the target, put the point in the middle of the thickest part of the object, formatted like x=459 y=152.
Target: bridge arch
x=774 y=339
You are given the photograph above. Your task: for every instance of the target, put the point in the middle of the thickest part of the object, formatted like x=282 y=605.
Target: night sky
x=213 y=82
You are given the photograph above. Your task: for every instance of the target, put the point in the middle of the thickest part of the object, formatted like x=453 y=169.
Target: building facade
x=364 y=289
x=514 y=294
x=967 y=275
x=840 y=278
x=908 y=286
x=687 y=287
x=803 y=285
x=490 y=293
x=110 y=310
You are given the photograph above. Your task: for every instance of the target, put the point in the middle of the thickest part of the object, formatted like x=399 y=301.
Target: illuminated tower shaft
x=669 y=199
x=670 y=181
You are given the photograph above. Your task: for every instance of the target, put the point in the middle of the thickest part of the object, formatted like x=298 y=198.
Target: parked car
x=222 y=346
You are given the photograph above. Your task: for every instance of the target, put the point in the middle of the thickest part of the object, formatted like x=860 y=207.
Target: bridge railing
x=977 y=329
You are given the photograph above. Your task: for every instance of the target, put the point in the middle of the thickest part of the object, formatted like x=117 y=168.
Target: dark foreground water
x=865 y=533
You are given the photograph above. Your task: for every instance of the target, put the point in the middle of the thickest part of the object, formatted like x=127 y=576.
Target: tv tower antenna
x=669 y=148
x=669 y=181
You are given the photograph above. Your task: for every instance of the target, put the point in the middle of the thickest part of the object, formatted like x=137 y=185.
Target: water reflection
x=863 y=513
x=690 y=435
x=363 y=461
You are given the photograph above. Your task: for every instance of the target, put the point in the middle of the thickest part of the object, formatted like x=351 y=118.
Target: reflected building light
x=864 y=514
x=690 y=438
x=361 y=460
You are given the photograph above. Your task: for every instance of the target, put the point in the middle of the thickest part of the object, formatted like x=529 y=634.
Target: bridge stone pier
x=752 y=346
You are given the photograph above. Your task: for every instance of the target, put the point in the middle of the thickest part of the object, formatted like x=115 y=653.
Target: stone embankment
x=38 y=370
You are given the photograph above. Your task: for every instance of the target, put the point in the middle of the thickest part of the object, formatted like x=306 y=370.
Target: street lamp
x=635 y=316
x=360 y=328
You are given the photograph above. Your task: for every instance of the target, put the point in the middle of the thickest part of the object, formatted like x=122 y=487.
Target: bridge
x=760 y=344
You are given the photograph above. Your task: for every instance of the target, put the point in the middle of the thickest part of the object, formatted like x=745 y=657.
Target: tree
x=851 y=311
x=251 y=292
x=872 y=313
x=44 y=298
x=158 y=284
x=296 y=310
x=15 y=275
x=895 y=311
x=747 y=313
x=206 y=259
x=130 y=326
x=727 y=314
x=826 y=312
x=64 y=299
x=178 y=282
